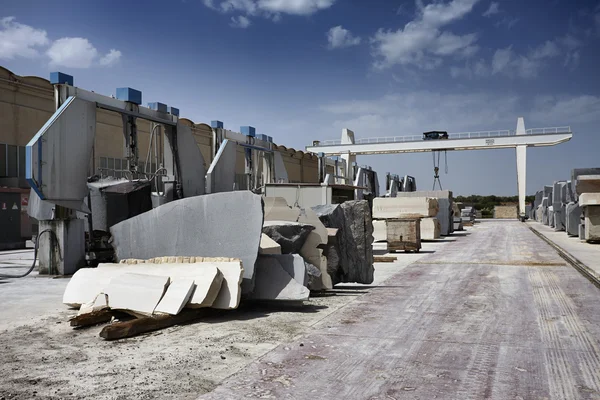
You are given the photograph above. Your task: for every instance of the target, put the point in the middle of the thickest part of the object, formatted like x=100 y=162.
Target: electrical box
x=10 y=220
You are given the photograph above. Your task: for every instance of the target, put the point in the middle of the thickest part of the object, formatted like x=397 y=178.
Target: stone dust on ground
x=47 y=359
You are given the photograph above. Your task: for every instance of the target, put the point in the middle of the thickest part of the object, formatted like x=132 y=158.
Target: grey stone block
x=273 y=282
x=354 y=239
x=293 y=264
x=289 y=235
x=215 y=225
x=572 y=219
x=583 y=171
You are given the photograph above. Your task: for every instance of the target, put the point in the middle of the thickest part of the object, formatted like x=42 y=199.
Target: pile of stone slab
x=334 y=241
x=572 y=206
x=403 y=222
x=444 y=216
x=160 y=285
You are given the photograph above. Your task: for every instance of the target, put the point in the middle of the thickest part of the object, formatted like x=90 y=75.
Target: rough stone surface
x=216 y=225
x=572 y=219
x=291 y=236
x=592 y=223
x=354 y=239
x=588 y=184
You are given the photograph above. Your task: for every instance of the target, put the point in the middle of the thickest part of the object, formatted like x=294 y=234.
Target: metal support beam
x=521 y=168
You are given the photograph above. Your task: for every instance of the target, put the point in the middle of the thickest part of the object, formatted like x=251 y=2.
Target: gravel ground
x=41 y=356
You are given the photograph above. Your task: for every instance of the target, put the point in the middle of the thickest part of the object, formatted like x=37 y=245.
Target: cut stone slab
x=215 y=225
x=572 y=219
x=289 y=235
x=277 y=209
x=274 y=283
x=379 y=230
x=354 y=240
x=589 y=199
x=591 y=216
x=404 y=207
x=576 y=172
x=309 y=217
x=176 y=297
x=430 y=229
x=88 y=282
x=139 y=293
x=268 y=245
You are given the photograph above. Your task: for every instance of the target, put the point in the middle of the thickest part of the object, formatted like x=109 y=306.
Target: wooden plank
x=384 y=258
x=121 y=330
x=93 y=318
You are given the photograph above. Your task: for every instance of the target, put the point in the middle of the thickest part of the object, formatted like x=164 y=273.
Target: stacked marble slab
x=559 y=205
x=587 y=187
x=413 y=205
x=572 y=206
x=445 y=214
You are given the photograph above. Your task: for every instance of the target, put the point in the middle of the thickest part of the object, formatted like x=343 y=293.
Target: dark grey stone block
x=572 y=218
x=354 y=239
x=289 y=235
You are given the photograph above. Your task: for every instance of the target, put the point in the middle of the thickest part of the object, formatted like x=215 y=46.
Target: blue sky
x=301 y=70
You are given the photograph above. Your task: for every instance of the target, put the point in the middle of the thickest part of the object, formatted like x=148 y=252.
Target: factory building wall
x=26 y=103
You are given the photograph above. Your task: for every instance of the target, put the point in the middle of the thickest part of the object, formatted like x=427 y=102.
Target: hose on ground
x=35 y=251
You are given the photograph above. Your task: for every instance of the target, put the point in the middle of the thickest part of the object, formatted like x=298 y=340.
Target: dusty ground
x=41 y=356
x=496 y=315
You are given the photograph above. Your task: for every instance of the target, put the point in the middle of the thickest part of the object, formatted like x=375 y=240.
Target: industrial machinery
x=435 y=135
x=68 y=198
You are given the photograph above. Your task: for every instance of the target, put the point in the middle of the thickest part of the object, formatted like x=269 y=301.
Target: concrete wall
x=26 y=103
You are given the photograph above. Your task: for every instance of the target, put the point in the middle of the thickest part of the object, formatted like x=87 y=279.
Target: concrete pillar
x=521 y=168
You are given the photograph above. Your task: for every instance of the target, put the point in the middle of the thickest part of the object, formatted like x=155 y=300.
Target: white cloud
x=508 y=62
x=72 y=53
x=240 y=22
x=295 y=7
x=422 y=42
x=269 y=8
x=19 y=40
x=509 y=22
x=494 y=8
x=338 y=37
x=111 y=58
x=471 y=70
x=79 y=53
